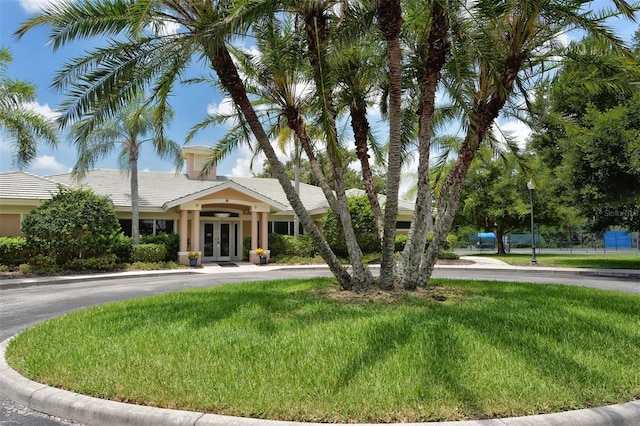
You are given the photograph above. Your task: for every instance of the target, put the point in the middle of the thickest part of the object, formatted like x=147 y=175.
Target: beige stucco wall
x=10 y=225
x=230 y=194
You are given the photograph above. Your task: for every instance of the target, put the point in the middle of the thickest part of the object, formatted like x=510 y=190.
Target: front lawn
x=601 y=261
x=303 y=350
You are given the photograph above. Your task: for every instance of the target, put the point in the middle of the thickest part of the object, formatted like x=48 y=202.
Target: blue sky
x=33 y=61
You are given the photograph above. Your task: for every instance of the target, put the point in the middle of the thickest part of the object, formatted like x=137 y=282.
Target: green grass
x=603 y=261
x=290 y=350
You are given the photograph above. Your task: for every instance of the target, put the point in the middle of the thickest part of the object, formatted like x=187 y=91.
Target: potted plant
x=262 y=254
x=193 y=257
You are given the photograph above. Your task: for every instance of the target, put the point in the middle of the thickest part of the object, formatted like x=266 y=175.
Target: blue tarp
x=617 y=239
x=484 y=235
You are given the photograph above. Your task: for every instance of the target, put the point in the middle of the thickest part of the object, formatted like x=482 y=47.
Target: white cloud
x=164 y=28
x=243 y=163
x=245 y=156
x=32 y=6
x=48 y=163
x=515 y=129
x=43 y=110
x=224 y=107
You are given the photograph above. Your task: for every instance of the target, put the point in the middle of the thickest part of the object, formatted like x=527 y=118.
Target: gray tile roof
x=25 y=186
x=157 y=189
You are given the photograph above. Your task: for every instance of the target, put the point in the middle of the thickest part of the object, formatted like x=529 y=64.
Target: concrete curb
x=99 y=412
x=487 y=266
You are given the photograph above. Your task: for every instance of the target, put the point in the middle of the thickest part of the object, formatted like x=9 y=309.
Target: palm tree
x=22 y=125
x=126 y=131
x=496 y=47
x=277 y=79
x=357 y=59
x=500 y=49
x=143 y=56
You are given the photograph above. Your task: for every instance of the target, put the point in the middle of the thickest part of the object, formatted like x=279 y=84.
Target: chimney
x=196 y=157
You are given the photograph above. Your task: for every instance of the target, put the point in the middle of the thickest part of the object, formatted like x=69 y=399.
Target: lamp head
x=531 y=185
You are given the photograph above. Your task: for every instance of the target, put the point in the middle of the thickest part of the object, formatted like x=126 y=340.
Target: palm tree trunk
x=317 y=32
x=389 y=14
x=222 y=63
x=438 y=46
x=135 y=204
x=360 y=126
x=482 y=117
x=296 y=221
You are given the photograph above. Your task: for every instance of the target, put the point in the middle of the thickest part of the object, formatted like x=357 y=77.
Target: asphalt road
x=21 y=308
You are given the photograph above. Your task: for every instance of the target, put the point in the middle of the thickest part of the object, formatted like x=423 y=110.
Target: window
x=148 y=226
x=284 y=228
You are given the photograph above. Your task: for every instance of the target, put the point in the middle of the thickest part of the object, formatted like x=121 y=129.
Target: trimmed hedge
x=13 y=251
x=149 y=252
x=101 y=263
x=170 y=241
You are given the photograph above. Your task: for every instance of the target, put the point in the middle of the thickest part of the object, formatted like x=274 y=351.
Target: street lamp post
x=531 y=187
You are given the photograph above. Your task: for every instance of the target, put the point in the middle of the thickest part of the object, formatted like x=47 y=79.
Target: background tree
x=23 y=126
x=496 y=58
x=495 y=197
x=588 y=132
x=131 y=127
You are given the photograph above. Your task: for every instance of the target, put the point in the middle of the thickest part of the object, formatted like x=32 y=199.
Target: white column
x=264 y=231
x=184 y=230
x=195 y=231
x=254 y=231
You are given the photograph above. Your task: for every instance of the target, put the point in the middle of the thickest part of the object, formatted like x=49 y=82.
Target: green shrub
x=277 y=244
x=74 y=224
x=364 y=225
x=448 y=255
x=106 y=262
x=170 y=241
x=450 y=242
x=302 y=247
x=149 y=252
x=44 y=265
x=13 y=251
x=123 y=249
x=401 y=241
x=246 y=246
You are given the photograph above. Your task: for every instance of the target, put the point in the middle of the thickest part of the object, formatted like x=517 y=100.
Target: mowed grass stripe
x=292 y=350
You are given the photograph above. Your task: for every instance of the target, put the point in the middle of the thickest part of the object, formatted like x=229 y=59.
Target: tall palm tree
x=127 y=130
x=430 y=52
x=277 y=79
x=358 y=60
x=143 y=56
x=23 y=126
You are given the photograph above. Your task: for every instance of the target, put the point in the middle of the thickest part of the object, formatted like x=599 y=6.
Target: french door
x=220 y=241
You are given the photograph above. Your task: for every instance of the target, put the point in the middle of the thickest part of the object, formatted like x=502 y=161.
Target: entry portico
x=213 y=222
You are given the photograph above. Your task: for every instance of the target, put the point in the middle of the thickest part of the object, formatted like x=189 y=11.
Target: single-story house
x=211 y=215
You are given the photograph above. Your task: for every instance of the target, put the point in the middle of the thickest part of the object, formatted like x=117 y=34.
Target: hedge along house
x=212 y=215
